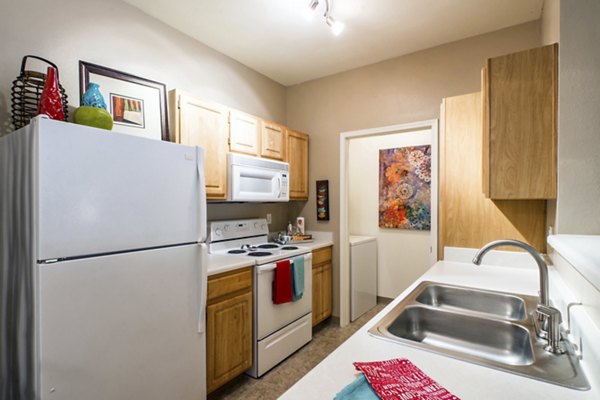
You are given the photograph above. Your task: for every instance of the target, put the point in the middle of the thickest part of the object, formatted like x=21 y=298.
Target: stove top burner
x=268 y=246
x=236 y=251
x=260 y=253
x=289 y=248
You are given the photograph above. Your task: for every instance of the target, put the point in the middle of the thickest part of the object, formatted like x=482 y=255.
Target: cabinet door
x=520 y=93
x=228 y=339
x=204 y=124
x=244 y=132
x=326 y=288
x=272 y=144
x=466 y=217
x=317 y=273
x=297 y=157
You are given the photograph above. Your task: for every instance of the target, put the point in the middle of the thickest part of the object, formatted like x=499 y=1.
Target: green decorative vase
x=93 y=116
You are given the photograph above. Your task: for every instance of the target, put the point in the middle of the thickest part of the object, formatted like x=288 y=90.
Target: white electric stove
x=279 y=329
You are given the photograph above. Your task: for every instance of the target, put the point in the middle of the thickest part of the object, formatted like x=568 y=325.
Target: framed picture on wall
x=405 y=188
x=137 y=105
x=323 y=200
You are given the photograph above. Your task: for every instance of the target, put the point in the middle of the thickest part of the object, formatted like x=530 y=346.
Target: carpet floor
x=327 y=336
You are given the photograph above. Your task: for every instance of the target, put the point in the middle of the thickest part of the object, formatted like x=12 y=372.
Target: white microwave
x=255 y=179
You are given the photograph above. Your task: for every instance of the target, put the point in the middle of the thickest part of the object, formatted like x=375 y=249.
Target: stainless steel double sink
x=488 y=328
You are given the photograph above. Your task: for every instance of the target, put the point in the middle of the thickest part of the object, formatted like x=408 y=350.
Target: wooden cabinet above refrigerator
x=519 y=124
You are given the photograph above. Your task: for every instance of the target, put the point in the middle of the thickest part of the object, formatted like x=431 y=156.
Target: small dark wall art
x=405 y=188
x=323 y=200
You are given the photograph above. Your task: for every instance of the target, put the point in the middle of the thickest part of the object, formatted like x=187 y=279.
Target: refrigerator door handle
x=203 y=281
x=201 y=193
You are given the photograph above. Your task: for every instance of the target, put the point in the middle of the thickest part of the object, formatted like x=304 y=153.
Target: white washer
x=363 y=275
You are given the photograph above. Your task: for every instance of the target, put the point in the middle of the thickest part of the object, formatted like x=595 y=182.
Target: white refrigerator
x=103 y=266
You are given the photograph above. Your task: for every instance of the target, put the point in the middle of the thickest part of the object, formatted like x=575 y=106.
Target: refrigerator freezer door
x=103 y=192
x=123 y=326
x=202 y=224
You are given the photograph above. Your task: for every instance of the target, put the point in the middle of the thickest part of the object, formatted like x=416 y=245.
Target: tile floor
x=326 y=337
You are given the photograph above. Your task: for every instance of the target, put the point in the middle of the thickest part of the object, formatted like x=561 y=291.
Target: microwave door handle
x=279 y=186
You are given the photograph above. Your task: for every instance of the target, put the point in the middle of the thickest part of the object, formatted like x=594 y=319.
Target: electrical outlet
x=268 y=218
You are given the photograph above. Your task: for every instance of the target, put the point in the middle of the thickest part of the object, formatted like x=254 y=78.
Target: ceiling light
x=336 y=26
x=309 y=12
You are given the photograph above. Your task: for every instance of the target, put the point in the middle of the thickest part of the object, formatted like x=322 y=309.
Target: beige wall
x=401 y=90
x=402 y=255
x=114 y=34
x=579 y=119
x=550 y=23
x=550 y=33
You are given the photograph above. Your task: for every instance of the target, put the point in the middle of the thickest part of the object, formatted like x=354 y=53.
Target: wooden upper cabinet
x=272 y=143
x=244 y=132
x=297 y=157
x=204 y=124
x=519 y=125
x=466 y=217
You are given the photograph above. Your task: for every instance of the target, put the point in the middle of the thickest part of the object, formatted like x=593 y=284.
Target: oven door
x=251 y=183
x=272 y=317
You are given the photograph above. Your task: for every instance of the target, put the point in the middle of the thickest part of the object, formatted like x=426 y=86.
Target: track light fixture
x=336 y=26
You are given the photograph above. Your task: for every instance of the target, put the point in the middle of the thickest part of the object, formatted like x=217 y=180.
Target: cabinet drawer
x=322 y=255
x=229 y=282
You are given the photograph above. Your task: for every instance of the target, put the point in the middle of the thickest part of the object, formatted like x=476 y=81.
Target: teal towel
x=357 y=390
x=297 y=277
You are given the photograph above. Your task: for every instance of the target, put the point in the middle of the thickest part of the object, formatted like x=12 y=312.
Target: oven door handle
x=262 y=269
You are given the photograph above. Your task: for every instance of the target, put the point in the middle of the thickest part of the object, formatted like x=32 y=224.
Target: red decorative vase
x=50 y=100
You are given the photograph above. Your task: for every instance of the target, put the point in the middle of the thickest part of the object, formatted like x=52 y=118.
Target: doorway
x=359 y=197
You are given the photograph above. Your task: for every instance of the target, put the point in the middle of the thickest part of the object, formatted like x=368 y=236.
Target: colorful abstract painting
x=405 y=188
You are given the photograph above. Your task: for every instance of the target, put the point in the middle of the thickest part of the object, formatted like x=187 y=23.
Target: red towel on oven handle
x=282 y=282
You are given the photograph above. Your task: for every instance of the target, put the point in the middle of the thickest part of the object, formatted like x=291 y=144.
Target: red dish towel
x=400 y=379
x=282 y=283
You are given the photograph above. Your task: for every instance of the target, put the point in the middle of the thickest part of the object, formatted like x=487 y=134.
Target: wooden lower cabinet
x=322 y=278
x=228 y=327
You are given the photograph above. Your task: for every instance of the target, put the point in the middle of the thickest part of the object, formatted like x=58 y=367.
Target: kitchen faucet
x=549 y=316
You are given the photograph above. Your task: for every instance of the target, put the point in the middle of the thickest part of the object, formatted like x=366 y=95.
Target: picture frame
x=137 y=105
x=323 y=200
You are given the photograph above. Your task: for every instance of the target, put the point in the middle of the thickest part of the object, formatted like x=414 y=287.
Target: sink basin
x=492 y=329
x=485 y=338
x=498 y=304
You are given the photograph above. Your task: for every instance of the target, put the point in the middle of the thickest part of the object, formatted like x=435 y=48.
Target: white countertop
x=319 y=240
x=356 y=239
x=463 y=379
x=220 y=263
x=582 y=251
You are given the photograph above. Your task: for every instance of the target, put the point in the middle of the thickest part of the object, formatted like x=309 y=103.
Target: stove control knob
x=256 y=225
x=263 y=226
x=218 y=232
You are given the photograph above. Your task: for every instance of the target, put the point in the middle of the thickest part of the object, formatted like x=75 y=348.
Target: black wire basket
x=26 y=92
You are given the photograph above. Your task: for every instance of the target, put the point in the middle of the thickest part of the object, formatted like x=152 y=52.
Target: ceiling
x=274 y=38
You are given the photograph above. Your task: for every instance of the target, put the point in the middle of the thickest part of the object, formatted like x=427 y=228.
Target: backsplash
x=281 y=213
